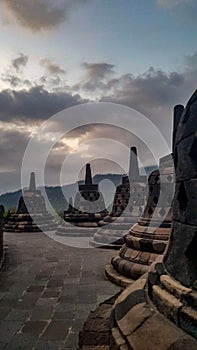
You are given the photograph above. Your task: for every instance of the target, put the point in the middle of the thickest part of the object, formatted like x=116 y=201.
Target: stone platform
x=47 y=291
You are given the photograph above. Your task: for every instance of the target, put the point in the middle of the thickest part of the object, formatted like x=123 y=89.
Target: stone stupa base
x=112 y=236
x=30 y=223
x=143 y=245
x=85 y=229
x=138 y=325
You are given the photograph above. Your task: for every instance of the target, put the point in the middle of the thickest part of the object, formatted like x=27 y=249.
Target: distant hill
x=57 y=196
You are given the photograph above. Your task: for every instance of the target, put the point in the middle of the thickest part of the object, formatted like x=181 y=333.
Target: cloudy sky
x=59 y=54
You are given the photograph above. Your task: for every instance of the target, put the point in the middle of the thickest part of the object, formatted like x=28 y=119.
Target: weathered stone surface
x=175 y=293
x=147 y=239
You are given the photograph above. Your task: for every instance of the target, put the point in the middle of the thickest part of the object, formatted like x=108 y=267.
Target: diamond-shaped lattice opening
x=192 y=257
x=155 y=199
x=150 y=211
x=193 y=153
x=182 y=197
x=169 y=178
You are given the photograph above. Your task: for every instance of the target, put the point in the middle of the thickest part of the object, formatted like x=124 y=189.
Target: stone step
x=129 y=269
x=145 y=244
x=116 y=277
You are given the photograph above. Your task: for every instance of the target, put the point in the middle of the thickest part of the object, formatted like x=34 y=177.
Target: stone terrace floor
x=47 y=291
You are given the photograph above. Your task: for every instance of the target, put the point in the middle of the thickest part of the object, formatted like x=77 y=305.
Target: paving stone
x=21 y=342
x=42 y=312
x=37 y=292
x=17 y=314
x=72 y=340
x=33 y=327
x=49 y=345
x=50 y=293
x=56 y=330
x=8 y=329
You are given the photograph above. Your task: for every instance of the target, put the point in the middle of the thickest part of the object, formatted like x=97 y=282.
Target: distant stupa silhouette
x=81 y=219
x=31 y=215
x=128 y=206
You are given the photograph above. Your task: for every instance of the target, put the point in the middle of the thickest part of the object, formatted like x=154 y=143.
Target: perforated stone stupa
x=128 y=206
x=148 y=238
x=31 y=215
x=160 y=311
x=81 y=219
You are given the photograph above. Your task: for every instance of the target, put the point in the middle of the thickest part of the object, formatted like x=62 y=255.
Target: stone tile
x=42 y=313
x=56 y=330
x=34 y=327
x=21 y=342
x=61 y=293
x=50 y=293
x=49 y=345
x=72 y=340
x=36 y=288
x=64 y=315
x=4 y=311
x=17 y=314
x=8 y=329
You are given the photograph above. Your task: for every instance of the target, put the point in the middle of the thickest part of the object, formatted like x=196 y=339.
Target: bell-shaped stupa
x=31 y=215
x=128 y=206
x=81 y=219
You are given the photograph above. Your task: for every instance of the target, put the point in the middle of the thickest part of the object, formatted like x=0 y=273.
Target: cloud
x=153 y=88
x=40 y=14
x=51 y=67
x=191 y=61
x=13 y=80
x=20 y=61
x=96 y=71
x=35 y=103
x=95 y=77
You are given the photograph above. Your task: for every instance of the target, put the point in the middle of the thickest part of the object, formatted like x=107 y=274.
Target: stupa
x=31 y=215
x=81 y=219
x=159 y=311
x=148 y=238
x=128 y=206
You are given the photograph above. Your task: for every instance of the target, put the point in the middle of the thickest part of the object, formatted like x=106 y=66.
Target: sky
x=64 y=53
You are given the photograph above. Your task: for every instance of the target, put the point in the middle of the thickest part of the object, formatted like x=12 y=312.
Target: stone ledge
x=153 y=331
x=116 y=277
